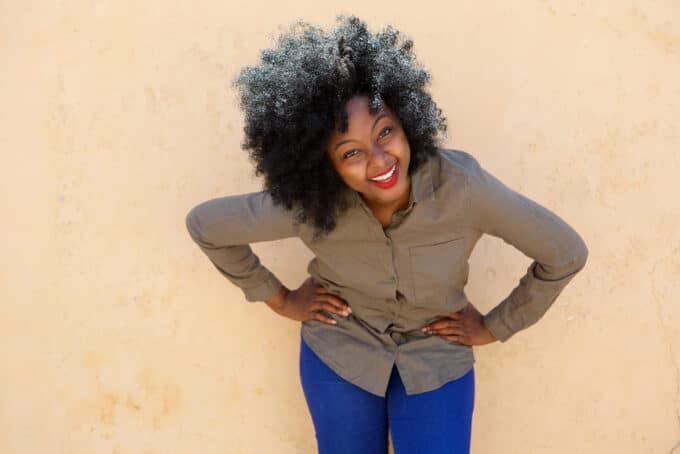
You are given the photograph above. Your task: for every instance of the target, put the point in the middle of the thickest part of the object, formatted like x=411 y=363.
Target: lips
x=391 y=181
x=385 y=172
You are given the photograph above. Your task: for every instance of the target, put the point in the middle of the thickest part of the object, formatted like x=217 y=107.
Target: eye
x=388 y=129
x=348 y=153
x=383 y=133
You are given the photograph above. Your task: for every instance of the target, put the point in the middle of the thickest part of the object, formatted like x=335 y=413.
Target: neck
x=388 y=209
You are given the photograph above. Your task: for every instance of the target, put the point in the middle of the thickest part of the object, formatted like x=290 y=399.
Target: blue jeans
x=350 y=420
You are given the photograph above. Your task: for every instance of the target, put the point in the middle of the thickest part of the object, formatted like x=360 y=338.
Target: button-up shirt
x=399 y=278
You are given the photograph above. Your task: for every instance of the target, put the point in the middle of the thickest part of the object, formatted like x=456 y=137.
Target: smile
x=387 y=175
x=387 y=179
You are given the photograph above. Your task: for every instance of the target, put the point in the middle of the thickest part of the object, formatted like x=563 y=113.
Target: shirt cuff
x=526 y=304
x=264 y=291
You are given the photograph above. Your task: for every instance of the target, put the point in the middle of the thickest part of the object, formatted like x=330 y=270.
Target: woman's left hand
x=464 y=327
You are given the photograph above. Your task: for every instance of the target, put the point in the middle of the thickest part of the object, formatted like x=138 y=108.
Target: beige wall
x=118 y=336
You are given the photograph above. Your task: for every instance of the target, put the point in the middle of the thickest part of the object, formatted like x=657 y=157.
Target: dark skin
x=464 y=327
x=308 y=302
x=372 y=144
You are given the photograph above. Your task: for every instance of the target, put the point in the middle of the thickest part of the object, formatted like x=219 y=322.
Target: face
x=373 y=155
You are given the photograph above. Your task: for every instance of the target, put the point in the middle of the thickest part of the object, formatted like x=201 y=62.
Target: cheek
x=352 y=175
x=404 y=151
x=403 y=145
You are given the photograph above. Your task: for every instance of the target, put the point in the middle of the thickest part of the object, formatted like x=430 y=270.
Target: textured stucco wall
x=118 y=336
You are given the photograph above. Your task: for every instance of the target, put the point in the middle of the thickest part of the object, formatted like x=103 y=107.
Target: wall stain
x=636 y=21
x=663 y=276
x=153 y=402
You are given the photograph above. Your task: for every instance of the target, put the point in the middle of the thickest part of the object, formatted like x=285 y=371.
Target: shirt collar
x=421 y=181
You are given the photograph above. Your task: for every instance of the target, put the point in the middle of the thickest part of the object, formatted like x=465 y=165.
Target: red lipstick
x=386 y=184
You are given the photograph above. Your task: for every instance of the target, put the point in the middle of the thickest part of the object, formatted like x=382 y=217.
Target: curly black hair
x=295 y=97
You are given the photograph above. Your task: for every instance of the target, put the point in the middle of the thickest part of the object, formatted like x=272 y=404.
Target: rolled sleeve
x=557 y=250
x=224 y=228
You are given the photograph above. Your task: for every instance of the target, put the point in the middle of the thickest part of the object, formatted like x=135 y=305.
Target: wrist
x=276 y=302
x=489 y=333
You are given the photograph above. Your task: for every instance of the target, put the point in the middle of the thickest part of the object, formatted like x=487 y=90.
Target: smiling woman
x=345 y=134
x=296 y=105
x=372 y=157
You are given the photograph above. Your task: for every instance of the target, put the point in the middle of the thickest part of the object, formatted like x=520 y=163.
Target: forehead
x=358 y=116
x=358 y=106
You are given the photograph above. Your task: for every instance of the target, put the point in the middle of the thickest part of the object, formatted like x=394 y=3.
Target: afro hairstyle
x=295 y=97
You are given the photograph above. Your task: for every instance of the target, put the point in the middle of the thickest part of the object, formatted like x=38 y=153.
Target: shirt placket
x=386 y=234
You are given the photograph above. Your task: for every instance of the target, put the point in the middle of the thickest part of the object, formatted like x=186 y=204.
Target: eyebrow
x=372 y=128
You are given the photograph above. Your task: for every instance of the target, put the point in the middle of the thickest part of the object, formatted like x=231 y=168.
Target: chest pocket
x=436 y=269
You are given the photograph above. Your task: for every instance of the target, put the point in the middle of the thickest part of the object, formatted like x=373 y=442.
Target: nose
x=380 y=159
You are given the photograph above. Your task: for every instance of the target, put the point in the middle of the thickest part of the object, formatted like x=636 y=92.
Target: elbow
x=577 y=258
x=580 y=254
x=193 y=226
x=200 y=223
x=572 y=260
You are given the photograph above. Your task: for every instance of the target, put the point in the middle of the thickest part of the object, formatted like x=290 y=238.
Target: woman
x=346 y=136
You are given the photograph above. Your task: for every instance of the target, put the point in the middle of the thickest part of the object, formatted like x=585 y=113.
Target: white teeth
x=387 y=176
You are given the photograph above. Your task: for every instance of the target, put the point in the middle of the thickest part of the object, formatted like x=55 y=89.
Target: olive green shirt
x=399 y=278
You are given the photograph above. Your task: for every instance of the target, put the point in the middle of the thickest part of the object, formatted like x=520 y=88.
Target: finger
x=439 y=324
x=449 y=330
x=332 y=297
x=328 y=307
x=335 y=301
x=323 y=318
x=457 y=339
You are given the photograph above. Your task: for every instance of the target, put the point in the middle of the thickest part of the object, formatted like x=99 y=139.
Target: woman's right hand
x=307 y=303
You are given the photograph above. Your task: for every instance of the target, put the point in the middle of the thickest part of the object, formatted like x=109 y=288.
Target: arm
x=224 y=227
x=557 y=250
